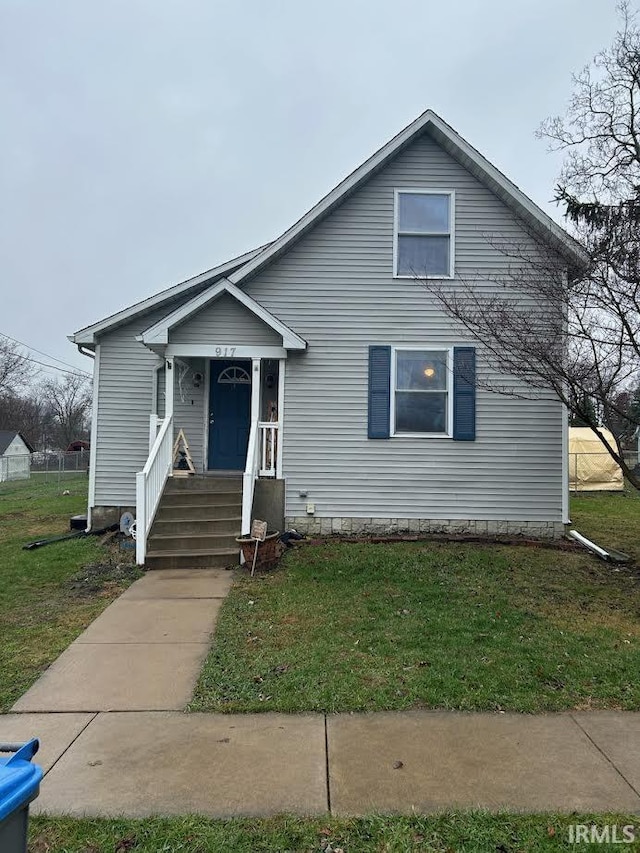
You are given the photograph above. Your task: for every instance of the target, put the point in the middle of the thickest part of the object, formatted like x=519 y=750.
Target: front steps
x=196 y=524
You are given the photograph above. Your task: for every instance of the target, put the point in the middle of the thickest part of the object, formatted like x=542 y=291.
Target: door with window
x=229 y=414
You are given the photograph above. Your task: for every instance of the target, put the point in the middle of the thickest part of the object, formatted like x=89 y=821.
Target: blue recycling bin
x=19 y=785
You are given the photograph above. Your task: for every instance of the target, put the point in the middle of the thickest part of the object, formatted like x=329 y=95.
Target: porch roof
x=157 y=336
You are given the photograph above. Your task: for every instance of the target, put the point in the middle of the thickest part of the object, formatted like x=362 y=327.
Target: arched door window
x=234 y=375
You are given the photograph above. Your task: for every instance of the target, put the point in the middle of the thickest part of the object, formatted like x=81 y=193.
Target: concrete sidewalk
x=115 y=739
x=143 y=653
x=140 y=764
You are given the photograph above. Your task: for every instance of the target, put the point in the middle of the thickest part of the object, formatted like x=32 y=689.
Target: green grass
x=610 y=519
x=46 y=599
x=453 y=832
x=352 y=627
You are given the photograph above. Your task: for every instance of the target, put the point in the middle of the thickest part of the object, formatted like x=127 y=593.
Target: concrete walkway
x=143 y=655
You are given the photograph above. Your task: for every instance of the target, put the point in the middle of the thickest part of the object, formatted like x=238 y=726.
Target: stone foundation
x=312 y=526
x=105 y=516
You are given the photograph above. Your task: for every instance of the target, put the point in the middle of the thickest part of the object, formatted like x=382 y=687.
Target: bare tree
x=575 y=333
x=69 y=399
x=15 y=368
x=29 y=414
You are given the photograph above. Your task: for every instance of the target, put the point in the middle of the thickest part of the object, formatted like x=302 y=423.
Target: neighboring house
x=321 y=367
x=15 y=456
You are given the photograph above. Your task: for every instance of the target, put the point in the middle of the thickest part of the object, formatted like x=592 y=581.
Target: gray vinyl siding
x=125 y=397
x=162 y=393
x=188 y=409
x=335 y=289
x=225 y=321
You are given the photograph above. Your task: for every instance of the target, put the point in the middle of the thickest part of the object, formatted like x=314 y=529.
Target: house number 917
x=225 y=351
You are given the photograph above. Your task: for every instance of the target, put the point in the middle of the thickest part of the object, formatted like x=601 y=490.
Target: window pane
x=423 y=212
x=420 y=412
x=421 y=371
x=422 y=256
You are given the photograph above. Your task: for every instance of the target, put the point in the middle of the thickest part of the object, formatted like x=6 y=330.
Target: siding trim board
x=211 y=351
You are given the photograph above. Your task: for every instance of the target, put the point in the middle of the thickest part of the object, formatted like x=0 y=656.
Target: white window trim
x=394 y=366
x=452 y=219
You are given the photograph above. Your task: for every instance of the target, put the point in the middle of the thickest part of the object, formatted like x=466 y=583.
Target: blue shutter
x=464 y=393
x=379 y=391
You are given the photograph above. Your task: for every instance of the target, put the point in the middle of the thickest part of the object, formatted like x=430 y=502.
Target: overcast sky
x=144 y=141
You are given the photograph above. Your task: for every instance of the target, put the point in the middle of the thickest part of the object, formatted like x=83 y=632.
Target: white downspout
x=93 y=445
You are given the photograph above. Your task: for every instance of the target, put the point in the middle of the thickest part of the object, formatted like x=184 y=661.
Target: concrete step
x=208 y=512
x=201 y=496
x=205 y=484
x=193 y=559
x=191 y=542
x=176 y=526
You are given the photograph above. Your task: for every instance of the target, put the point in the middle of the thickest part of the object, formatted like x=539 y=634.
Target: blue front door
x=229 y=414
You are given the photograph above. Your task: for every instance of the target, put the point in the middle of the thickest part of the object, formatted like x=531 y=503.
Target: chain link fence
x=44 y=467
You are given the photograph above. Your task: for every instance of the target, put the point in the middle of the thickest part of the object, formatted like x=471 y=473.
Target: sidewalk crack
x=605 y=756
x=69 y=745
x=326 y=752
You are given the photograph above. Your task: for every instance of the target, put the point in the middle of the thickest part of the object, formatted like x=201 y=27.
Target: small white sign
x=258 y=530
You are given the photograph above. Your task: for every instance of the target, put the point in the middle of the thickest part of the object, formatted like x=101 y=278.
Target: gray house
x=319 y=384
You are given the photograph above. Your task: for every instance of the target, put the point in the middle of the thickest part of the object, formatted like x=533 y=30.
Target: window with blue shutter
x=379 y=391
x=422 y=380
x=464 y=393
x=422 y=393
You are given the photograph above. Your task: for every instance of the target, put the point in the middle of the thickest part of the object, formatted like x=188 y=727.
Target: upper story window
x=423 y=238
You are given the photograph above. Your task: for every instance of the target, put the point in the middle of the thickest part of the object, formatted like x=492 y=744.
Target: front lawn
x=47 y=597
x=344 y=626
x=467 y=832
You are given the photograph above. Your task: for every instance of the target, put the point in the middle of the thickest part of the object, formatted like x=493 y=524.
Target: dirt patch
x=463 y=538
x=102 y=578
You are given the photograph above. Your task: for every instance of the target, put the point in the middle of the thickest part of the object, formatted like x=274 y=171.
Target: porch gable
x=157 y=337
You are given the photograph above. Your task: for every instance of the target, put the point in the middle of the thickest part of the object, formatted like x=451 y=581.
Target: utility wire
x=73 y=372
x=46 y=354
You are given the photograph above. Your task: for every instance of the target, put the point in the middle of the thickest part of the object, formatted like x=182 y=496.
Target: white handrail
x=150 y=485
x=268 y=447
x=249 y=478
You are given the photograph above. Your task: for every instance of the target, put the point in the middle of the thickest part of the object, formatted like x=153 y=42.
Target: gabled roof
x=431 y=123
x=158 y=334
x=7 y=436
x=87 y=336
x=239 y=269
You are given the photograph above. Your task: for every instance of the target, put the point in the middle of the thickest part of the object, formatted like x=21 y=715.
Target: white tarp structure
x=591 y=468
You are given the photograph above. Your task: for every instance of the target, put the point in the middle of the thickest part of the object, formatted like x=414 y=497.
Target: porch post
x=153 y=429
x=280 y=433
x=255 y=389
x=169 y=386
